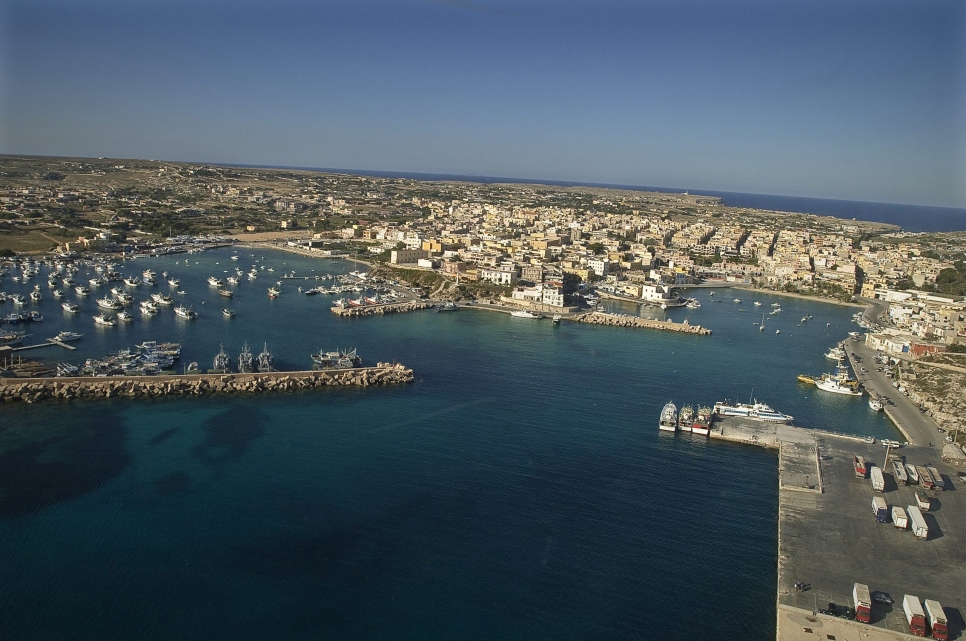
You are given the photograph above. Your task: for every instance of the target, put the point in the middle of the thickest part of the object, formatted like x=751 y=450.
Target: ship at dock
x=669 y=418
x=338 y=359
x=221 y=363
x=265 y=361
x=839 y=382
x=756 y=411
x=246 y=361
x=686 y=418
x=702 y=421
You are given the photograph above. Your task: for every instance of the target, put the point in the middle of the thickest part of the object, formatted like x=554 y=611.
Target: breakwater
x=32 y=390
x=378 y=310
x=600 y=318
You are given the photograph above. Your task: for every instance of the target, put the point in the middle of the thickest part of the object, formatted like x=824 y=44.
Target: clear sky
x=839 y=99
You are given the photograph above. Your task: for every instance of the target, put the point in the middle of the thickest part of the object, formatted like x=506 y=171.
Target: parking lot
x=831 y=540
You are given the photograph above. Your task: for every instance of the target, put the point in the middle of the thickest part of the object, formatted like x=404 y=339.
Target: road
x=919 y=428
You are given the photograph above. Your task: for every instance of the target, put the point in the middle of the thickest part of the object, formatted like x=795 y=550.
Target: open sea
x=519 y=489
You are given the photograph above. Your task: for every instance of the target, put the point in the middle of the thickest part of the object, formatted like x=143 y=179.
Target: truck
x=936 y=619
x=878 y=480
x=863 y=602
x=923 y=501
x=859 y=464
x=915 y=617
x=918 y=524
x=899 y=518
x=925 y=478
x=937 y=478
x=880 y=510
x=900 y=473
x=913 y=473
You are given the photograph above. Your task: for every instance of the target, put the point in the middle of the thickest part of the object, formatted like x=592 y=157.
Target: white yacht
x=756 y=410
x=522 y=313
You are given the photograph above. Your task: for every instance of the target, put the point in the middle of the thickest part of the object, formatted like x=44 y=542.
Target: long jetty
x=378 y=310
x=32 y=390
x=600 y=318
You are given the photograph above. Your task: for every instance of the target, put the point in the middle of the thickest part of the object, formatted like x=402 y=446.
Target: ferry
x=757 y=411
x=521 y=313
x=669 y=418
x=702 y=421
x=685 y=418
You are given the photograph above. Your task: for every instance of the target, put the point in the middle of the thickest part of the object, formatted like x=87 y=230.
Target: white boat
x=73 y=308
x=737 y=300
x=669 y=418
x=183 y=312
x=215 y=281
x=839 y=382
x=756 y=304
x=149 y=308
x=246 y=361
x=58 y=293
x=125 y=316
x=66 y=337
x=133 y=281
x=524 y=314
x=105 y=319
x=82 y=290
x=835 y=353
x=109 y=303
x=875 y=404
x=174 y=282
x=686 y=418
x=756 y=411
x=162 y=299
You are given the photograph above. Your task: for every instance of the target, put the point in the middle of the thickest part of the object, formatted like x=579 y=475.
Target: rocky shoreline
x=379 y=310
x=32 y=390
x=600 y=318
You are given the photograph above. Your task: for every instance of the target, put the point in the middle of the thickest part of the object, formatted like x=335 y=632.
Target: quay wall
x=31 y=390
x=600 y=318
x=378 y=310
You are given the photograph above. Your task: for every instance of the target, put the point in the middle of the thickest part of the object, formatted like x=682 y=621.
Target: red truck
x=915 y=617
x=859 y=464
x=863 y=603
x=937 y=620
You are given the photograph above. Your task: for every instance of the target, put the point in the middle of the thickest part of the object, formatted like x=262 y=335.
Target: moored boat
x=336 y=360
x=105 y=319
x=246 y=361
x=669 y=418
x=686 y=418
x=522 y=313
x=756 y=411
x=73 y=308
x=265 y=361
x=228 y=313
x=183 y=312
x=221 y=363
x=702 y=421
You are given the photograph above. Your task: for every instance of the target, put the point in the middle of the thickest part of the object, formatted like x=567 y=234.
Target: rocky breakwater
x=31 y=390
x=378 y=310
x=617 y=320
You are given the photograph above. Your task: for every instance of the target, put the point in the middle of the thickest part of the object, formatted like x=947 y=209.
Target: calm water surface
x=519 y=489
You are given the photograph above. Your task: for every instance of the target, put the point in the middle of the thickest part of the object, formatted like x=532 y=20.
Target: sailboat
x=761 y=327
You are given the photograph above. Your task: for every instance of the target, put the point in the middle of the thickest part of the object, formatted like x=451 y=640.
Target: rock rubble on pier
x=600 y=318
x=378 y=310
x=38 y=389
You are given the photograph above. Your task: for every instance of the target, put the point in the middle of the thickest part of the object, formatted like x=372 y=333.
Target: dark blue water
x=917 y=218
x=519 y=489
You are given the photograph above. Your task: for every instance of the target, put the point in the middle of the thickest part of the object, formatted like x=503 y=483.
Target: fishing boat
x=133 y=281
x=273 y=292
x=183 y=312
x=82 y=290
x=174 y=282
x=125 y=316
x=555 y=319
x=246 y=361
x=162 y=299
x=105 y=319
x=214 y=281
x=448 y=307
x=109 y=303
x=522 y=313
x=702 y=421
x=265 y=361
x=686 y=418
x=149 y=308
x=669 y=418
x=836 y=353
x=221 y=363
x=228 y=313
x=875 y=404
x=336 y=360
x=839 y=382
x=227 y=293
x=73 y=308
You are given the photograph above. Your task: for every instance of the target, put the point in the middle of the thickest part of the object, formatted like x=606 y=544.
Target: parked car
x=882 y=597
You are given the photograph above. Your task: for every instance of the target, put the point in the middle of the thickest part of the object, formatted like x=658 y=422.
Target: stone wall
x=378 y=310
x=600 y=318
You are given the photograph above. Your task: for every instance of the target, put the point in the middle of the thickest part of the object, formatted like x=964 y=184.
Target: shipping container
x=899 y=518
x=915 y=617
x=913 y=473
x=923 y=501
x=880 y=510
x=859 y=464
x=863 y=603
x=925 y=478
x=900 y=473
x=878 y=480
x=936 y=619
x=937 y=478
x=917 y=523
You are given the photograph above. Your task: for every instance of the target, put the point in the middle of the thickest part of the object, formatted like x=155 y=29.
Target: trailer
x=937 y=478
x=859 y=464
x=915 y=617
x=878 y=480
x=923 y=501
x=899 y=471
x=913 y=473
x=863 y=602
x=936 y=619
x=925 y=478
x=917 y=523
x=880 y=509
x=899 y=518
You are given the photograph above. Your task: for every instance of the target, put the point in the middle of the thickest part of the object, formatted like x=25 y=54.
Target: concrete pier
x=31 y=390
x=379 y=310
x=829 y=539
x=600 y=318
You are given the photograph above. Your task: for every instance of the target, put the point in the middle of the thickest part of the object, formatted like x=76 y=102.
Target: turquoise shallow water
x=519 y=489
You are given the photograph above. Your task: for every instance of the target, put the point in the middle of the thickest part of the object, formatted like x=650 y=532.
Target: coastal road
x=919 y=428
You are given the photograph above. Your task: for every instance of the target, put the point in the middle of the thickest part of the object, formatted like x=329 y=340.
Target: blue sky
x=845 y=99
